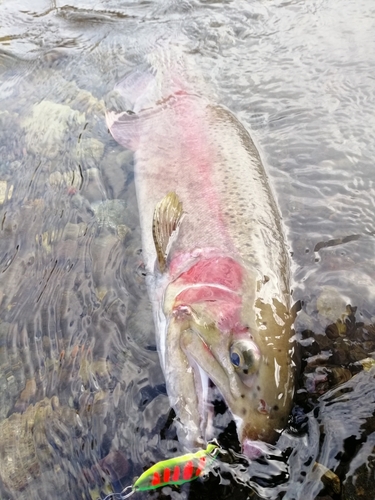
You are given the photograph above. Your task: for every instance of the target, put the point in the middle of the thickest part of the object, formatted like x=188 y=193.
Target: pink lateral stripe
x=215 y=270
x=200 y=294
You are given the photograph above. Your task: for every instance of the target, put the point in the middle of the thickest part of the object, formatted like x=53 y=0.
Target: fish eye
x=235 y=359
x=245 y=357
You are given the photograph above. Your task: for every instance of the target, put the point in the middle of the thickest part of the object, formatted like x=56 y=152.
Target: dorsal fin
x=167 y=217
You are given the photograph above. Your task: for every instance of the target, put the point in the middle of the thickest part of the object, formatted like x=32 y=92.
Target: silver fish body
x=215 y=254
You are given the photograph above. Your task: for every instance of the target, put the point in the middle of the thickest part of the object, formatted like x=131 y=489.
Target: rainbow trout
x=214 y=251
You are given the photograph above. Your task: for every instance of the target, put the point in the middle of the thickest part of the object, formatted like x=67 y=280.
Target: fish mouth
x=213 y=408
x=211 y=404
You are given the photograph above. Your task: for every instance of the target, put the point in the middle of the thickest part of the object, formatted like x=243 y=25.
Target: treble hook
x=121 y=494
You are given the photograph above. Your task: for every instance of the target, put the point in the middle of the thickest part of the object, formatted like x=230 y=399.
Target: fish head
x=244 y=347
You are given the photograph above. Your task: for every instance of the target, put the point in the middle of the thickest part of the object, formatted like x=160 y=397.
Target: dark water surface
x=83 y=404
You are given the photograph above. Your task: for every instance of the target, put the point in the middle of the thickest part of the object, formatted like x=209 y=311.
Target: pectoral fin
x=167 y=217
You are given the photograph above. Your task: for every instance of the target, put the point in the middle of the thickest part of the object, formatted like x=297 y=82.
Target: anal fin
x=167 y=217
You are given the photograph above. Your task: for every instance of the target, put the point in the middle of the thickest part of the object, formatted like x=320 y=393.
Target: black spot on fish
x=243 y=411
x=246 y=371
x=242 y=396
x=276 y=408
x=258 y=388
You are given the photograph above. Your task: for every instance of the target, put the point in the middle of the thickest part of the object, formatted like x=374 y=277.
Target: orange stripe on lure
x=178 y=470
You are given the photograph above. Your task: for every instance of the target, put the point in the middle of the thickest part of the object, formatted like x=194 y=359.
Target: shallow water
x=83 y=405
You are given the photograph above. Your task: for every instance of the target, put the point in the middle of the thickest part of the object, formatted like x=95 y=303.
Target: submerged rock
x=90 y=149
x=83 y=100
x=5 y=191
x=70 y=179
x=330 y=304
x=112 y=214
x=360 y=481
x=48 y=128
x=336 y=392
x=29 y=441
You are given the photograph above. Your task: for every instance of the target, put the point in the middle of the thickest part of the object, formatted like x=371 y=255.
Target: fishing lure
x=178 y=470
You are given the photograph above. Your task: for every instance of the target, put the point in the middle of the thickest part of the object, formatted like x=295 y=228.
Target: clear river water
x=83 y=405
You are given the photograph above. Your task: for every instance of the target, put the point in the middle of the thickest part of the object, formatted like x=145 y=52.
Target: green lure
x=178 y=470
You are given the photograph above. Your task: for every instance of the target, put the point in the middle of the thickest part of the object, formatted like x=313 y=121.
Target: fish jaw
x=184 y=387
x=205 y=320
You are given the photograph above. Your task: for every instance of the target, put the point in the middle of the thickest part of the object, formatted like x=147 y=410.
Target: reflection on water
x=83 y=404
